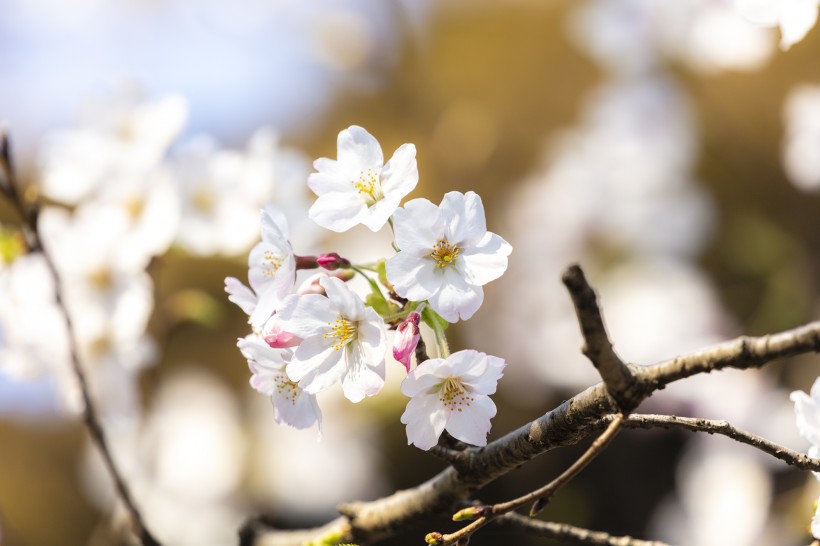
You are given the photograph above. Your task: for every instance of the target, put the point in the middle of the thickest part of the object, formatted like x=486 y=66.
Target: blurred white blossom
x=723 y=498
x=222 y=191
x=794 y=17
x=118 y=137
x=184 y=461
x=801 y=141
x=633 y=37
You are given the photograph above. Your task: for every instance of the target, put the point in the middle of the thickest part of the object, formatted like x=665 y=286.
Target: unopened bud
x=538 y=506
x=407 y=337
x=331 y=261
x=433 y=538
x=470 y=513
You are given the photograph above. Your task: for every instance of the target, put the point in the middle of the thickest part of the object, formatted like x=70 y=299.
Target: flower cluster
x=309 y=334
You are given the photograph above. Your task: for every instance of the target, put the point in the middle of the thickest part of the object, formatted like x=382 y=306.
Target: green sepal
x=376 y=300
x=433 y=319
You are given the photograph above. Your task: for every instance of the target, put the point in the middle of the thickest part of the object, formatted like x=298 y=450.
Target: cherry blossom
x=807 y=412
x=358 y=188
x=271 y=266
x=452 y=395
x=343 y=340
x=446 y=254
x=291 y=404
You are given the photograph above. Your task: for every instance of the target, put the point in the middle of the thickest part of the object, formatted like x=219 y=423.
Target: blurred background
x=671 y=148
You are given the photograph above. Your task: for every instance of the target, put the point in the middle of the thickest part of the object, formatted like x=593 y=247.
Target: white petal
x=468 y=364
x=240 y=294
x=358 y=148
x=372 y=335
x=254 y=348
x=401 y=174
x=347 y=303
x=274 y=226
x=418 y=226
x=412 y=277
x=486 y=261
x=362 y=378
x=331 y=178
x=473 y=423
x=307 y=315
x=456 y=300
x=464 y=215
x=300 y=413
x=314 y=366
x=379 y=212
x=338 y=211
x=807 y=413
x=425 y=418
x=423 y=378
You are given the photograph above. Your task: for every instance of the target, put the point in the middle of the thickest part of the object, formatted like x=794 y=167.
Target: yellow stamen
x=444 y=253
x=454 y=394
x=342 y=330
x=271 y=263
x=287 y=389
x=368 y=185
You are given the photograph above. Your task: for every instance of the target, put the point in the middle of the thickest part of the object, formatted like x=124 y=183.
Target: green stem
x=441 y=341
x=373 y=283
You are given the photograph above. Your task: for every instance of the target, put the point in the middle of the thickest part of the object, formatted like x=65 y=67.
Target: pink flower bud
x=277 y=338
x=331 y=261
x=407 y=337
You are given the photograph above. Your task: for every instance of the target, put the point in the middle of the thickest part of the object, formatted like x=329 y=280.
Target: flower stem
x=441 y=340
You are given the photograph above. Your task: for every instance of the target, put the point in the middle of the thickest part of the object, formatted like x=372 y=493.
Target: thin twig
x=29 y=215
x=577 y=535
x=789 y=456
x=618 y=378
x=541 y=496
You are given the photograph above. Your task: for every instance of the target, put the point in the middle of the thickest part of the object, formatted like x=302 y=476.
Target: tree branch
x=577 y=535
x=618 y=378
x=789 y=456
x=29 y=214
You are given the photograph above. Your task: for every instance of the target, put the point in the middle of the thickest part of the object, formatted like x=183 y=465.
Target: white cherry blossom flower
x=343 y=340
x=807 y=412
x=446 y=254
x=358 y=188
x=291 y=404
x=452 y=395
x=271 y=267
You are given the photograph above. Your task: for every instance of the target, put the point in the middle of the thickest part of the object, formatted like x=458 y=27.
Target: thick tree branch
x=566 y=532
x=789 y=456
x=618 y=378
x=565 y=425
x=29 y=214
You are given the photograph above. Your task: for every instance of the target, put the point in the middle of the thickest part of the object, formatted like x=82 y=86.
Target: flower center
x=444 y=253
x=342 y=331
x=286 y=389
x=454 y=395
x=271 y=263
x=368 y=185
